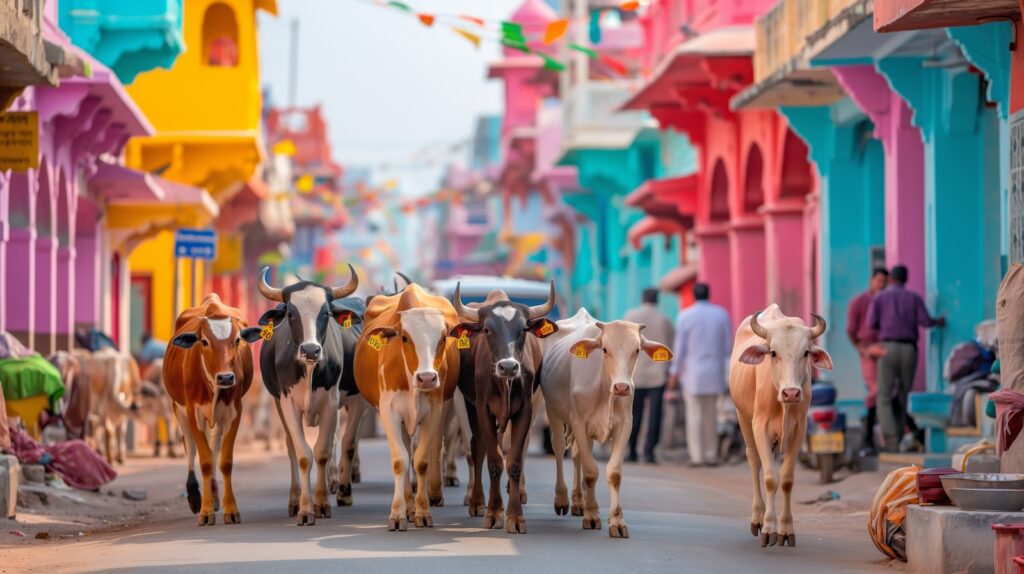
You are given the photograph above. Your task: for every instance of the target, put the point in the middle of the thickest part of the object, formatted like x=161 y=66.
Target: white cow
x=587 y=381
x=772 y=397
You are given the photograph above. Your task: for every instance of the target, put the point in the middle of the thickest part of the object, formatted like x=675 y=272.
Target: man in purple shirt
x=897 y=314
x=865 y=340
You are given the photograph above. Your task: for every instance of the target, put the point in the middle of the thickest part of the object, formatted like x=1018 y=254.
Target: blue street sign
x=196 y=243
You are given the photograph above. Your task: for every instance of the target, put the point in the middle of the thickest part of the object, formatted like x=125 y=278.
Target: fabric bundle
x=886 y=523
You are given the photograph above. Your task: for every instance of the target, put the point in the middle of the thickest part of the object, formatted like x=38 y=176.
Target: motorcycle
x=825 y=446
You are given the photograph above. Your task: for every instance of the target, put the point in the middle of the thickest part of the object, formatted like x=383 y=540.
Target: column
x=784 y=239
x=716 y=268
x=748 y=266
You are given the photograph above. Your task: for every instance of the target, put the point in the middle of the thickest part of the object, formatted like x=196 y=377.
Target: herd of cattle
x=439 y=371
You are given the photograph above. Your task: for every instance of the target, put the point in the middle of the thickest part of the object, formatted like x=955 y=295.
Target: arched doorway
x=45 y=326
x=797 y=180
x=719 y=193
x=715 y=259
x=753 y=180
x=746 y=239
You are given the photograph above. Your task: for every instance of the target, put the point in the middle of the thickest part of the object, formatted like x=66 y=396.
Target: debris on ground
x=17 y=533
x=827 y=496
x=44 y=535
x=134 y=493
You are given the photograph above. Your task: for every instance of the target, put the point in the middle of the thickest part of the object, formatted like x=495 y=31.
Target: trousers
x=653 y=397
x=702 y=428
x=896 y=369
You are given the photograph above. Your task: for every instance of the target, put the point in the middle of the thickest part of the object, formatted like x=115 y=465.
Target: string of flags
x=511 y=34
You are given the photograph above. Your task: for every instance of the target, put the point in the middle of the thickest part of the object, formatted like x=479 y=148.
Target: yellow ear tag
x=463 y=341
x=347 y=323
x=547 y=328
x=660 y=356
x=375 y=342
x=267 y=332
x=580 y=352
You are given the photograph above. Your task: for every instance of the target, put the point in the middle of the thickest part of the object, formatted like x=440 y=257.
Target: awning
x=117 y=183
x=673 y=198
x=181 y=194
x=651 y=225
x=899 y=15
x=675 y=279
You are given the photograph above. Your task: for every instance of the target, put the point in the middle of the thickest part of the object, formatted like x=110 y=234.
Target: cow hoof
x=577 y=510
x=515 y=525
x=344 y=500
x=789 y=539
x=451 y=481
x=333 y=488
x=322 y=510
x=396 y=523
x=755 y=529
x=476 y=509
x=618 y=531
x=561 y=509
x=494 y=520
x=769 y=539
x=591 y=523
x=232 y=518
x=356 y=477
x=439 y=501
x=195 y=499
x=425 y=521
x=293 y=509
x=465 y=500
x=207 y=518
x=305 y=519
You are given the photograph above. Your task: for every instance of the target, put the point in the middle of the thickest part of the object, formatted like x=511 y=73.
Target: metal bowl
x=998 y=499
x=982 y=480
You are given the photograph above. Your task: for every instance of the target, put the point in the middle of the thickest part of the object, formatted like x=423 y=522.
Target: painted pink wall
x=714 y=267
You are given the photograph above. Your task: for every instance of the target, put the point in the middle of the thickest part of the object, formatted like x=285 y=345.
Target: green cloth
x=31 y=377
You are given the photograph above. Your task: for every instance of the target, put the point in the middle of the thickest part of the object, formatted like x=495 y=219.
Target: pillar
x=20 y=273
x=715 y=267
x=748 y=265
x=784 y=239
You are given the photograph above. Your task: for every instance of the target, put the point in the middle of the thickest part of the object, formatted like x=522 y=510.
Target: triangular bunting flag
x=630 y=6
x=551 y=63
x=468 y=35
x=427 y=19
x=512 y=31
x=595 y=27
x=473 y=19
x=400 y=5
x=555 y=30
x=516 y=45
x=614 y=64
x=590 y=53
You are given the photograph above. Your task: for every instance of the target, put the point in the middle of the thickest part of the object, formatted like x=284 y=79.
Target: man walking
x=865 y=340
x=702 y=348
x=896 y=314
x=650 y=377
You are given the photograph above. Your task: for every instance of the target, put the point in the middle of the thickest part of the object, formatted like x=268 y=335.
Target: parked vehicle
x=825 y=447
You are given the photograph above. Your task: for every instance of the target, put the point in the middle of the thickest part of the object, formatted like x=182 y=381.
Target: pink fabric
x=1009 y=418
x=869 y=370
x=73 y=460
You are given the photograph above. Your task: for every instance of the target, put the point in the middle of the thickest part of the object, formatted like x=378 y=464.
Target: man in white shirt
x=650 y=378
x=702 y=348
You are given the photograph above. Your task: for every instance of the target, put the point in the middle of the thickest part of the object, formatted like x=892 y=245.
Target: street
x=680 y=520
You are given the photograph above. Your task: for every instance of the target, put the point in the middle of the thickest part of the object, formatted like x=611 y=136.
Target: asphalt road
x=680 y=520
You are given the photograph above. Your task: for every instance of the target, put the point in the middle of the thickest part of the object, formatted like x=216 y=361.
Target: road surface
x=680 y=520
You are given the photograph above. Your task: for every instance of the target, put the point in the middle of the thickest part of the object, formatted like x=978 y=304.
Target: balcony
x=900 y=15
x=592 y=119
x=22 y=50
x=129 y=36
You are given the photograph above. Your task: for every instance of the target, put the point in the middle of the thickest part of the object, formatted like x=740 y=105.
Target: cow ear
x=461 y=328
x=348 y=311
x=582 y=349
x=754 y=354
x=272 y=316
x=347 y=318
x=820 y=358
x=251 y=334
x=656 y=351
x=185 y=340
x=542 y=327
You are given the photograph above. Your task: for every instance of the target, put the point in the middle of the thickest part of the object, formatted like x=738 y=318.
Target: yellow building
x=206 y=111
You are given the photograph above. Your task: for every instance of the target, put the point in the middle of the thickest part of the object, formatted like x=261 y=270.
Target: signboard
x=196 y=243
x=19 y=140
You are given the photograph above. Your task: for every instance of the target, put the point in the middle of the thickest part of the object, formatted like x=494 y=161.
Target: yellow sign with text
x=19 y=140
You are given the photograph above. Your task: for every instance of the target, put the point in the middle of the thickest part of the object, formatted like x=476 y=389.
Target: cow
x=355 y=406
x=499 y=368
x=772 y=398
x=156 y=409
x=207 y=370
x=587 y=381
x=407 y=367
x=302 y=362
x=114 y=384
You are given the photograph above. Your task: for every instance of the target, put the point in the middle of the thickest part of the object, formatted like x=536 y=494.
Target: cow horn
x=538 y=311
x=272 y=293
x=464 y=312
x=350 y=288
x=757 y=328
x=404 y=278
x=819 y=326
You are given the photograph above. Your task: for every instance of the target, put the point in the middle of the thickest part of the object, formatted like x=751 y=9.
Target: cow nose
x=426 y=380
x=225 y=379
x=791 y=395
x=621 y=389
x=508 y=367
x=310 y=351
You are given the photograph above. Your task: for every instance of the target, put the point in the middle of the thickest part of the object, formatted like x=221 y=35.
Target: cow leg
x=108 y=436
x=462 y=418
x=770 y=530
x=558 y=445
x=535 y=404
x=577 y=478
x=322 y=450
x=515 y=522
x=613 y=473
x=227 y=458
x=789 y=457
x=475 y=497
x=207 y=515
x=487 y=427
x=215 y=446
x=304 y=456
x=450 y=473
x=191 y=484
x=427 y=461
x=354 y=410
x=119 y=432
x=591 y=512
x=399 y=463
x=294 y=492
x=435 y=442
x=754 y=461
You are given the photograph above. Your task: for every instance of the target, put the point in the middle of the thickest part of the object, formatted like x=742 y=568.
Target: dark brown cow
x=499 y=364
x=207 y=371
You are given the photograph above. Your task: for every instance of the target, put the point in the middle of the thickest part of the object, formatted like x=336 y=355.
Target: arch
x=44 y=202
x=63 y=212
x=719 y=200
x=19 y=200
x=220 y=36
x=753 y=180
x=797 y=179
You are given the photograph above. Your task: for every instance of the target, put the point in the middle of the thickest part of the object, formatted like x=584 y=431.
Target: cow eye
x=807 y=353
x=773 y=354
x=405 y=339
x=206 y=343
x=603 y=350
x=487 y=331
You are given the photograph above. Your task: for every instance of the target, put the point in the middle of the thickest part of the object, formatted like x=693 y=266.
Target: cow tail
x=570 y=439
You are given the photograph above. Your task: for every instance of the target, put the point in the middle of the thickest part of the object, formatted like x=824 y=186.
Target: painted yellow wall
x=155 y=259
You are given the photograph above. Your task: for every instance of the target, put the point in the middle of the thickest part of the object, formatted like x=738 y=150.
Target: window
x=220 y=36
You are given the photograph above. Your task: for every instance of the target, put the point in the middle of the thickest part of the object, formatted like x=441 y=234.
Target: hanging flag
x=516 y=45
x=427 y=19
x=595 y=27
x=512 y=31
x=551 y=63
x=305 y=183
x=630 y=6
x=473 y=19
x=614 y=64
x=555 y=30
x=468 y=35
x=400 y=5
x=590 y=53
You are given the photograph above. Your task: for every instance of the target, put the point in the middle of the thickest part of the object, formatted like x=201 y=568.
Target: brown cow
x=772 y=398
x=114 y=384
x=407 y=367
x=207 y=381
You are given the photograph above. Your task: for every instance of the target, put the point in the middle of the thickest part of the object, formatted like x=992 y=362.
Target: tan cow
x=406 y=366
x=772 y=397
x=114 y=383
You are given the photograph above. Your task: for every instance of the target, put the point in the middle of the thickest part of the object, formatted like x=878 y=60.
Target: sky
x=392 y=89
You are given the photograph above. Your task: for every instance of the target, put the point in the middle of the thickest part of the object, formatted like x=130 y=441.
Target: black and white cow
x=302 y=360
x=354 y=404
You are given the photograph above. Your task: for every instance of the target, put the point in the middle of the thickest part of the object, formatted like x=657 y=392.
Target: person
x=865 y=340
x=896 y=314
x=702 y=348
x=151 y=350
x=649 y=378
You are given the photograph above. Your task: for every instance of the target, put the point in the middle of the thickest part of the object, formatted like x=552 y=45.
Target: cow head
x=423 y=333
x=220 y=338
x=307 y=307
x=505 y=325
x=620 y=344
x=790 y=346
